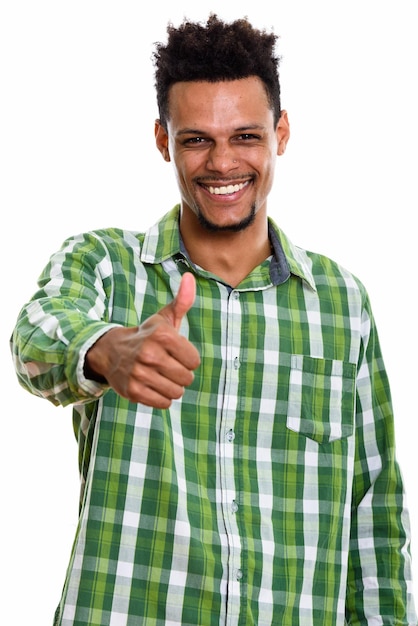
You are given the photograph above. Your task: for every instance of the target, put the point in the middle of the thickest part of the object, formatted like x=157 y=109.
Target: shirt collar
x=295 y=257
x=163 y=241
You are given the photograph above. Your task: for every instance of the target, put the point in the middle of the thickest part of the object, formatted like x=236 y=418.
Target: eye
x=194 y=141
x=248 y=137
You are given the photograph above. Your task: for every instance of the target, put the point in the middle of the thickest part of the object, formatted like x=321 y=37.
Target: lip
x=225 y=191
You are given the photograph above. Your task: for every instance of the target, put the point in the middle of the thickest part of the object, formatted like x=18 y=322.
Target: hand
x=151 y=363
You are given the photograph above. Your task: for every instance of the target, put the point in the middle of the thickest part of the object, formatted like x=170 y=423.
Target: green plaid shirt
x=269 y=493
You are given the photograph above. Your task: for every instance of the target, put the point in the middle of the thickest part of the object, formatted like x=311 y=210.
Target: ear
x=283 y=133
x=161 y=140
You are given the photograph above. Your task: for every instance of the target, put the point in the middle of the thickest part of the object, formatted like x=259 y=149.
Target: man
x=230 y=400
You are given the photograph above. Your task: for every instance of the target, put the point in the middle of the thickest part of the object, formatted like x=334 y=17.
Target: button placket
x=230 y=506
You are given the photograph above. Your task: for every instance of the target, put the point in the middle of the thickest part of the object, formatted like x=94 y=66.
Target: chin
x=234 y=227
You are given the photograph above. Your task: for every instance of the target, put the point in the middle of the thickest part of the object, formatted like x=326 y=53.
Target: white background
x=77 y=152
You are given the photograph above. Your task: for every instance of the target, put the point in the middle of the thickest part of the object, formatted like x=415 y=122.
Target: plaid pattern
x=268 y=494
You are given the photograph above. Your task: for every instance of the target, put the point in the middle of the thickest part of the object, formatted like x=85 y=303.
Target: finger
x=187 y=354
x=183 y=301
x=154 y=390
x=174 y=357
x=171 y=364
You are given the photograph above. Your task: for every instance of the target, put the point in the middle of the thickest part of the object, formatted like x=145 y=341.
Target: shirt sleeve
x=379 y=576
x=64 y=318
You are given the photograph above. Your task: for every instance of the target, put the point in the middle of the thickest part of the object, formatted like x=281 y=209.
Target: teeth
x=221 y=191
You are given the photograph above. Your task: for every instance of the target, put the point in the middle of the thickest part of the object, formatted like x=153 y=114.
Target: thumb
x=183 y=301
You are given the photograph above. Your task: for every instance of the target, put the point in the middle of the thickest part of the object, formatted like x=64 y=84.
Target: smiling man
x=223 y=140
x=231 y=405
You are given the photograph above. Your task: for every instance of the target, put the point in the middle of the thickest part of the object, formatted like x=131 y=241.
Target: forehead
x=213 y=102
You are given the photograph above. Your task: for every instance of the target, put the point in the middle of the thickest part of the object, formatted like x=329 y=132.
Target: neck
x=229 y=255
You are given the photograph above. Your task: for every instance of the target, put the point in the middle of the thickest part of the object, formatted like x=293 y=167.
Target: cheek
x=267 y=178
x=271 y=166
x=184 y=178
x=188 y=168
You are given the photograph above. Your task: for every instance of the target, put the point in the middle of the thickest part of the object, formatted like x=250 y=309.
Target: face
x=223 y=145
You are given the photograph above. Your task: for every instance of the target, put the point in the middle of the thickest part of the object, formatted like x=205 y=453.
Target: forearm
x=67 y=314
x=49 y=355
x=379 y=575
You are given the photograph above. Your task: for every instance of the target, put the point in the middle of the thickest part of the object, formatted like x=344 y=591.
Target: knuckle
x=148 y=355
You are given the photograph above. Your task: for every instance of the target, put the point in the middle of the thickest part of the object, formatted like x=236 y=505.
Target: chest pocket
x=321 y=398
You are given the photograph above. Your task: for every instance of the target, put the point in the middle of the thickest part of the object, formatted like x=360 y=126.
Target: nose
x=222 y=158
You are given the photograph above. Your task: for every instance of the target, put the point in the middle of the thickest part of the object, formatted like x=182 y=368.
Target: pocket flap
x=321 y=398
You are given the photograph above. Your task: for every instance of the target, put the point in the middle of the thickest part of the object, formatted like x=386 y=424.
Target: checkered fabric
x=269 y=494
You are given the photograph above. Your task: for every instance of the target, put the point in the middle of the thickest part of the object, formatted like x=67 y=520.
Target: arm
x=378 y=587
x=68 y=313
x=72 y=311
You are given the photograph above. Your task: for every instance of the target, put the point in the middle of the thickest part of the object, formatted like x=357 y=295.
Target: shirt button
x=234 y=506
x=230 y=435
x=235 y=295
x=237 y=363
x=239 y=574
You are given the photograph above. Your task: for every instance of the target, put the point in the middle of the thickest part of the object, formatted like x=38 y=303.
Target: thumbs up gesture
x=151 y=363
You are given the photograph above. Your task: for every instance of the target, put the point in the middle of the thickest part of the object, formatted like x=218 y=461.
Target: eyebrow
x=196 y=131
x=190 y=131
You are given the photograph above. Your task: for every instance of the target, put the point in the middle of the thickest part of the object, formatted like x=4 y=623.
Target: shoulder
x=318 y=270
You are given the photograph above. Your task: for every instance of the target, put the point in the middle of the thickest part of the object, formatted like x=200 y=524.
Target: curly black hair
x=216 y=51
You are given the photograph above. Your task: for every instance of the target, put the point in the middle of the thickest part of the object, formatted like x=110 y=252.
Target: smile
x=226 y=189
